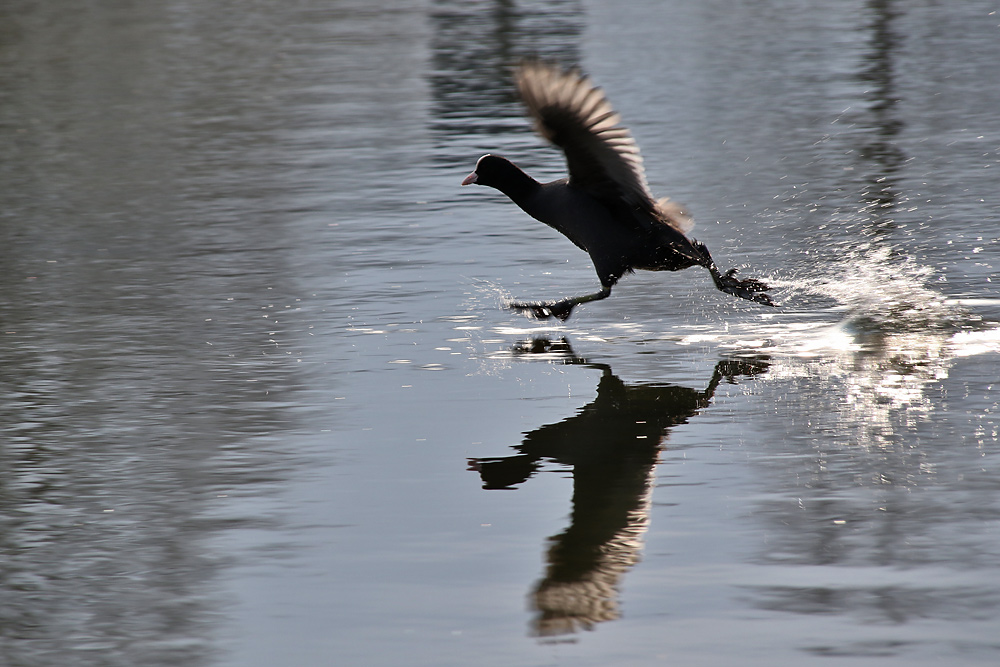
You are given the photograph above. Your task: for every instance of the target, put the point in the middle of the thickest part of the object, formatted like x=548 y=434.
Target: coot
x=604 y=206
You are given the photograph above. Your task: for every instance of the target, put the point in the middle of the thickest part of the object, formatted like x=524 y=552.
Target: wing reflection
x=612 y=446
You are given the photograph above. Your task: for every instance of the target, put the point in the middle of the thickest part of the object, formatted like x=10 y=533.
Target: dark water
x=260 y=404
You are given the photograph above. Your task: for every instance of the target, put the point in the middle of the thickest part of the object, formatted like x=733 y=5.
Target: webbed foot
x=561 y=310
x=750 y=289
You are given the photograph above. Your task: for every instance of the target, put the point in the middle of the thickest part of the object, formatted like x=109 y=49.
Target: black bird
x=604 y=206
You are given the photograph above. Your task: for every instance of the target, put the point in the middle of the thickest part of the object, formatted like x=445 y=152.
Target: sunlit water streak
x=872 y=328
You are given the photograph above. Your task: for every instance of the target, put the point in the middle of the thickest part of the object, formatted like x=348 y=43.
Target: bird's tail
x=674 y=215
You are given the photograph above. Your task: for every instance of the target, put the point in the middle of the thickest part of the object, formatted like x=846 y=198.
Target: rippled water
x=262 y=405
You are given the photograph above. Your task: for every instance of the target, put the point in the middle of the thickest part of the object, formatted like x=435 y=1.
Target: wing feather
x=601 y=155
x=572 y=113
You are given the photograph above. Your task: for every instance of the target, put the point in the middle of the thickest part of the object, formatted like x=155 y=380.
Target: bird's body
x=604 y=207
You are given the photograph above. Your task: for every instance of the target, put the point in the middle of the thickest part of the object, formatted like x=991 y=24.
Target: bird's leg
x=560 y=309
x=750 y=289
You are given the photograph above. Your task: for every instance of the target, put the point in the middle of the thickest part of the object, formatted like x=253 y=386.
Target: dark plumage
x=604 y=206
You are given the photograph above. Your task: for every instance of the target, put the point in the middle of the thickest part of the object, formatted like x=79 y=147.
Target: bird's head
x=491 y=170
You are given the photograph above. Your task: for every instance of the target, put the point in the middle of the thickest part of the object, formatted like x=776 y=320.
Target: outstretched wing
x=573 y=114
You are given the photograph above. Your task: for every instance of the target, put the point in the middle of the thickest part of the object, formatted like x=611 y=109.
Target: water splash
x=867 y=338
x=884 y=294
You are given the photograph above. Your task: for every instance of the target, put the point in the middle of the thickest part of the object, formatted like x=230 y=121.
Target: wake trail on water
x=871 y=300
x=866 y=299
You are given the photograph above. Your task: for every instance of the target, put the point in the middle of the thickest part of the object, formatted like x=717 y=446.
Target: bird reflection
x=612 y=446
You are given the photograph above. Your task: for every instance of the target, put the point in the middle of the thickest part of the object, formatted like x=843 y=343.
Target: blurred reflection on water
x=250 y=335
x=141 y=388
x=474 y=48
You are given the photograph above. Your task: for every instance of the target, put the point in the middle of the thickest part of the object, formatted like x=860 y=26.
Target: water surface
x=262 y=404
